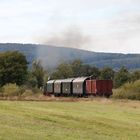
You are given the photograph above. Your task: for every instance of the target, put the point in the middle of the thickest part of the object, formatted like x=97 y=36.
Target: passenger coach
x=57 y=87
x=67 y=87
x=79 y=86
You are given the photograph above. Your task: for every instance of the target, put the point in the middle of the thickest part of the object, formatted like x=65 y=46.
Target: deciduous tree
x=38 y=72
x=121 y=77
x=107 y=73
x=13 y=68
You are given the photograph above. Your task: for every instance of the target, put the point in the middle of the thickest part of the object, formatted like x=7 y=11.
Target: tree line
x=77 y=69
x=14 y=69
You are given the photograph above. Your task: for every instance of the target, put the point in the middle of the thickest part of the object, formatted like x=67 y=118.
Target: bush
x=36 y=90
x=12 y=90
x=1 y=91
x=128 y=91
x=31 y=91
x=27 y=93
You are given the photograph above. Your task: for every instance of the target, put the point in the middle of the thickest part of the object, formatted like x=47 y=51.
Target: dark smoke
x=51 y=55
x=73 y=37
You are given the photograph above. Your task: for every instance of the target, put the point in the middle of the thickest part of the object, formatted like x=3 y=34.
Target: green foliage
x=87 y=70
x=95 y=72
x=38 y=72
x=46 y=77
x=135 y=76
x=27 y=93
x=1 y=91
x=128 y=91
x=74 y=69
x=36 y=90
x=80 y=69
x=64 y=70
x=31 y=80
x=77 y=66
x=121 y=77
x=12 y=90
x=107 y=73
x=13 y=68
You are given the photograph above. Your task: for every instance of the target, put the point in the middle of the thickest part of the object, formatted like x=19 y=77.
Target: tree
x=31 y=80
x=77 y=66
x=75 y=69
x=64 y=70
x=135 y=76
x=38 y=72
x=95 y=72
x=121 y=77
x=13 y=68
x=86 y=70
x=107 y=73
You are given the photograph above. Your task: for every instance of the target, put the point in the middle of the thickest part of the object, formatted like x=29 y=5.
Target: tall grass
x=128 y=91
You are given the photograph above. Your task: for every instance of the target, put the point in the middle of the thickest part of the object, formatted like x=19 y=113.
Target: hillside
x=51 y=56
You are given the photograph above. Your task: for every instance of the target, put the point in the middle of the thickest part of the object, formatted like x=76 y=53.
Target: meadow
x=96 y=119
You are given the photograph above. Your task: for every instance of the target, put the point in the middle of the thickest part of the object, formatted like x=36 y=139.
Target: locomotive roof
x=80 y=79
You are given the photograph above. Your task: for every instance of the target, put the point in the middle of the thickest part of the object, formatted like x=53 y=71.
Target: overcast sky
x=97 y=25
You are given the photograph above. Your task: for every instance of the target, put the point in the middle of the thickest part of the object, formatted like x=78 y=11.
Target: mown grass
x=99 y=119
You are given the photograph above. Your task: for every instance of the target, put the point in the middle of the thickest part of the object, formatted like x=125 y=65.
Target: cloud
x=119 y=34
x=103 y=25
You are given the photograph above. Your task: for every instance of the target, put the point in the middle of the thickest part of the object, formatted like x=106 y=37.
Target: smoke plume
x=72 y=37
x=51 y=54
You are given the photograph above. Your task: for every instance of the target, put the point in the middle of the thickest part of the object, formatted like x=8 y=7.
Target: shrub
x=128 y=91
x=1 y=91
x=36 y=90
x=27 y=93
x=12 y=90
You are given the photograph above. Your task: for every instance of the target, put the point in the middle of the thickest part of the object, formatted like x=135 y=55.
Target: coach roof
x=59 y=81
x=80 y=79
x=68 y=80
x=50 y=81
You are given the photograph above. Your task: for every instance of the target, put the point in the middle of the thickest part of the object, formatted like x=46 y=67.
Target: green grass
x=100 y=119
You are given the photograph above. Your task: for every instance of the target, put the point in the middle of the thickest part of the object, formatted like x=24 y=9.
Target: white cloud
x=120 y=34
x=113 y=25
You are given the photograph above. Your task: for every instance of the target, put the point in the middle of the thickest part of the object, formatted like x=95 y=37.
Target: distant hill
x=52 y=56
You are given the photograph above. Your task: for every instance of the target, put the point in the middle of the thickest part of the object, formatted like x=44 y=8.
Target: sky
x=95 y=25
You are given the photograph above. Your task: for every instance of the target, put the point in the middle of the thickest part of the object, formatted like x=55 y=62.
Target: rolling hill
x=51 y=56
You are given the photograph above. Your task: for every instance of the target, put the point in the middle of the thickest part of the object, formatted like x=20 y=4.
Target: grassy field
x=99 y=119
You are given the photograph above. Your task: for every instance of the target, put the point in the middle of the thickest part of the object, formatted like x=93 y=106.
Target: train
x=80 y=87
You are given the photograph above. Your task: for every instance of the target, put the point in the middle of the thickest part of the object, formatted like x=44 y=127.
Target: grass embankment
x=100 y=119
